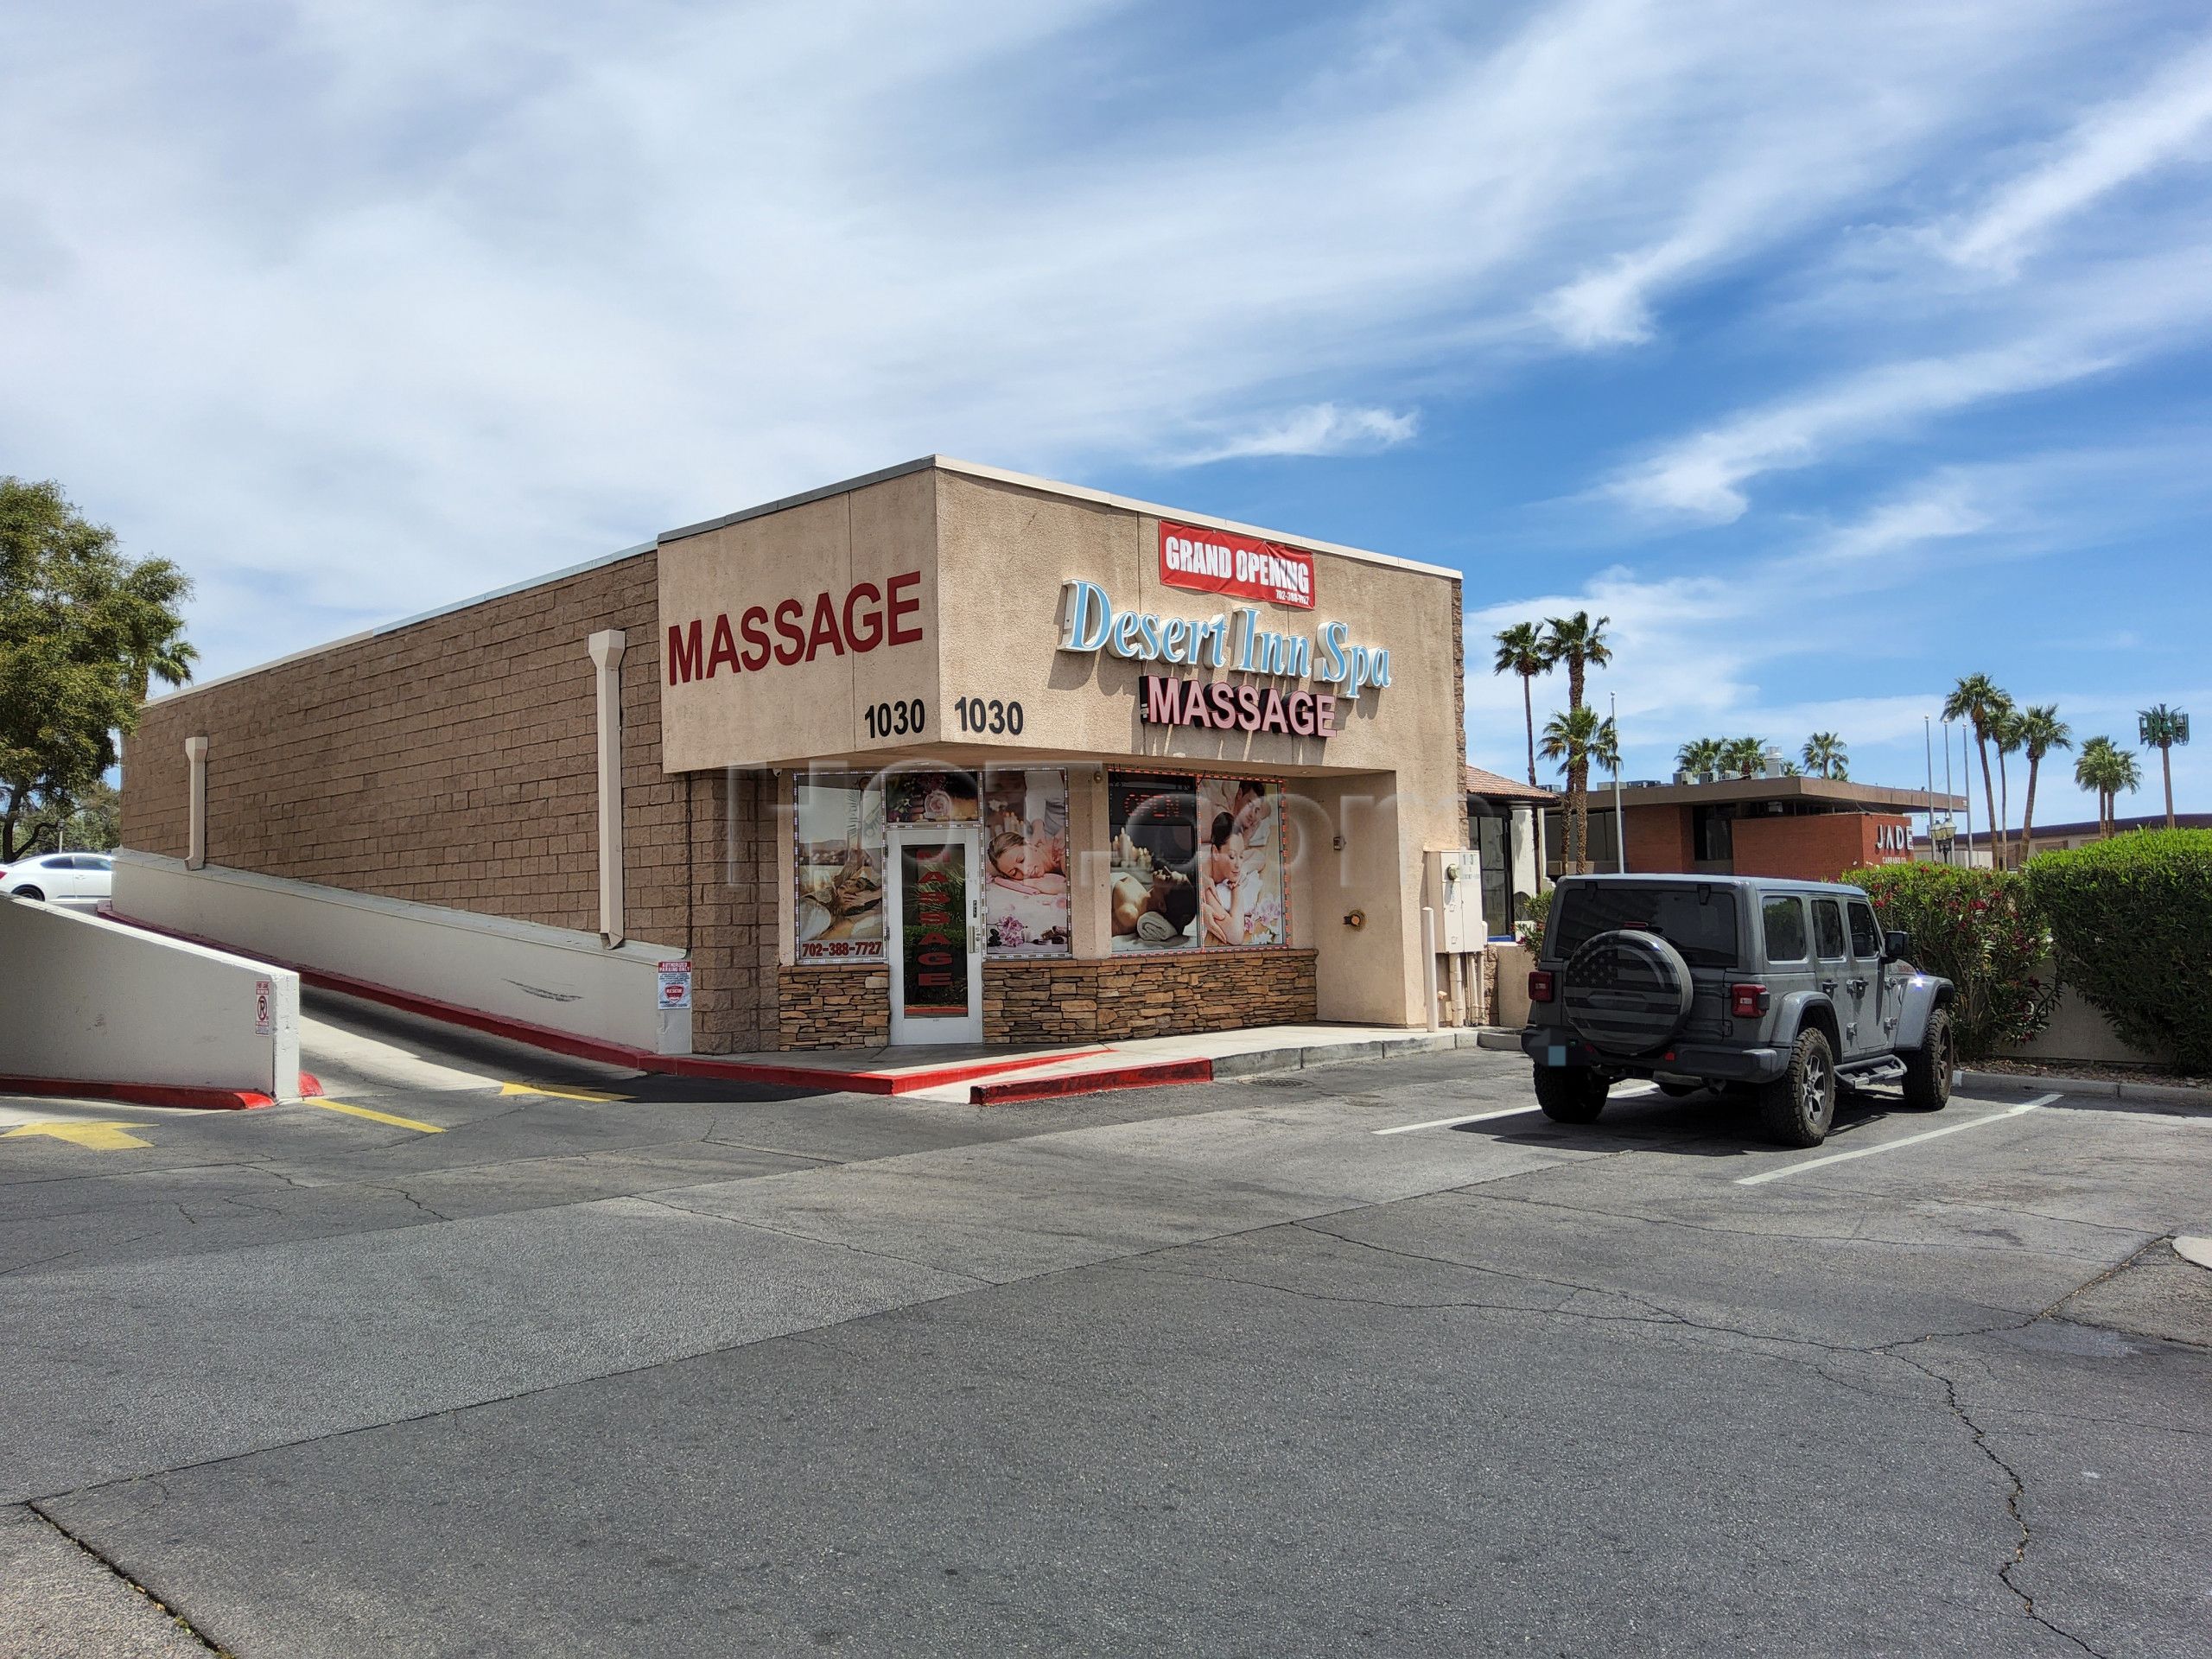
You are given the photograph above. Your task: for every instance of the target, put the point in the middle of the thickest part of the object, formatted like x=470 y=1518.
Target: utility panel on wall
x=1455 y=889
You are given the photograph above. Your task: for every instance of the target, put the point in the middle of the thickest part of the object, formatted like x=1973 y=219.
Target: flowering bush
x=2132 y=920
x=1981 y=931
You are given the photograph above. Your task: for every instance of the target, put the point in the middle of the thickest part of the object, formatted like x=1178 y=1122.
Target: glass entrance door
x=936 y=933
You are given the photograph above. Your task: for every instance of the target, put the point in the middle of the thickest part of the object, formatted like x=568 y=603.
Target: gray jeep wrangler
x=1780 y=990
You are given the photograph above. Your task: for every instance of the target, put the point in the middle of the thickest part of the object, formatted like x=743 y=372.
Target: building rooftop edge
x=921 y=463
x=1072 y=491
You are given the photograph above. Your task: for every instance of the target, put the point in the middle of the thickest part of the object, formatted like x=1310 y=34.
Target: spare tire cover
x=1626 y=992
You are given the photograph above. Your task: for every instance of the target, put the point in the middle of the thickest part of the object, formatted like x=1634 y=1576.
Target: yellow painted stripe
x=557 y=1094
x=374 y=1116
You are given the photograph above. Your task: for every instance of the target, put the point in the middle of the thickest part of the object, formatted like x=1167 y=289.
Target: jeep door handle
x=1859 y=988
x=1828 y=986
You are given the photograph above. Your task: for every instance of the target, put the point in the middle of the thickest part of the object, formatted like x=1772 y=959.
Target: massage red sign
x=1218 y=562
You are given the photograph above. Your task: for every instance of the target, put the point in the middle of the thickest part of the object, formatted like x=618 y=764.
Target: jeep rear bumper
x=1548 y=1046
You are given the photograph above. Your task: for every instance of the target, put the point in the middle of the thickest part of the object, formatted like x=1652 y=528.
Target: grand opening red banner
x=1220 y=562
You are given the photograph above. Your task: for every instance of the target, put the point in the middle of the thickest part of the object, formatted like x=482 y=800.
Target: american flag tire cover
x=1626 y=992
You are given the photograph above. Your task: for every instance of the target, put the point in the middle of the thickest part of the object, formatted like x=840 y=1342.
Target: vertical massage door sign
x=937 y=968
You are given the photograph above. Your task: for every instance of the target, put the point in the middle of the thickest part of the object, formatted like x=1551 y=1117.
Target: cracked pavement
x=1210 y=1370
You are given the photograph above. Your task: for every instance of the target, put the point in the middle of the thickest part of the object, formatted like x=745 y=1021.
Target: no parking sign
x=675 y=985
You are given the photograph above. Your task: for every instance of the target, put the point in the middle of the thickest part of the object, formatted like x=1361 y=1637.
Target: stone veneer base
x=1042 y=999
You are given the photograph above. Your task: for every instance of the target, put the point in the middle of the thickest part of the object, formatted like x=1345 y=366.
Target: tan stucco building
x=940 y=753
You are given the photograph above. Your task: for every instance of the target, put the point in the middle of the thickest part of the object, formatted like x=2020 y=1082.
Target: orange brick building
x=1806 y=828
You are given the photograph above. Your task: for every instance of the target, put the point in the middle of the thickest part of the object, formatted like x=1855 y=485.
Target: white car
x=82 y=879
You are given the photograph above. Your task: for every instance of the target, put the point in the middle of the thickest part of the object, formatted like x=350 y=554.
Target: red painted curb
x=310 y=1085
x=140 y=1094
x=1091 y=1082
x=817 y=1078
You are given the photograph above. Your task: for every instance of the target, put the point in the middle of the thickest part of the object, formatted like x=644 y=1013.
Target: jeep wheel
x=1798 y=1106
x=1571 y=1094
x=1928 y=1069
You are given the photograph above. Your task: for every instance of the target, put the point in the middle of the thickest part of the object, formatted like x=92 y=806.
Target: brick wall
x=453 y=763
x=1816 y=846
x=1659 y=839
x=1037 y=1001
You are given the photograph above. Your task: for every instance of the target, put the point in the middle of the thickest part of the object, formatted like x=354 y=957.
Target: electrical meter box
x=1455 y=889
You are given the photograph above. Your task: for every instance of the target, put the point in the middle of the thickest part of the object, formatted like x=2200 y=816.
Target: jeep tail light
x=1539 y=984
x=1746 y=1001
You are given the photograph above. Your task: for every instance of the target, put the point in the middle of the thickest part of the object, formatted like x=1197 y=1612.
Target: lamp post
x=1620 y=819
x=1928 y=749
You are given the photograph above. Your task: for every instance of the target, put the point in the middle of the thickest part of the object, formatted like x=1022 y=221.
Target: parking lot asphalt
x=522 y=1356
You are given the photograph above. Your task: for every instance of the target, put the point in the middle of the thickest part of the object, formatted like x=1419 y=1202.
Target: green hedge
x=2131 y=918
x=1981 y=931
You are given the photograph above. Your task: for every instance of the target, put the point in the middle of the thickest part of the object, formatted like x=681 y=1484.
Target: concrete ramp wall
x=86 y=1000
x=547 y=976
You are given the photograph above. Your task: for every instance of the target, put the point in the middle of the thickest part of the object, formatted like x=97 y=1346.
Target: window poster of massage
x=840 y=857
x=1025 y=862
x=839 y=866
x=1196 y=862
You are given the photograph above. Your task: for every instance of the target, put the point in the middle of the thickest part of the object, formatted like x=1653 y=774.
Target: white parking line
x=1634 y=1092
x=1447 y=1123
x=1892 y=1146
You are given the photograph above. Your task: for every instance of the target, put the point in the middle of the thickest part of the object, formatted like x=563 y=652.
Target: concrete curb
x=155 y=1094
x=1252 y=1063
x=2160 y=1094
x=2198 y=1252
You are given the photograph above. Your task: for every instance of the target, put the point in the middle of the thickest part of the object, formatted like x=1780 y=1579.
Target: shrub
x=2131 y=918
x=1535 y=910
x=1980 y=930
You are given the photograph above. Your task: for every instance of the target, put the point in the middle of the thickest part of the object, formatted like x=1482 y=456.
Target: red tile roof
x=1491 y=787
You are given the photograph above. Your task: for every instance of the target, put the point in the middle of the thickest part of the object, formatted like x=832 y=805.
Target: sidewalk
x=986 y=1077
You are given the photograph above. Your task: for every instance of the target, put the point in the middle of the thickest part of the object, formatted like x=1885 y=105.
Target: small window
x=1785 y=929
x=1828 y=928
x=1866 y=937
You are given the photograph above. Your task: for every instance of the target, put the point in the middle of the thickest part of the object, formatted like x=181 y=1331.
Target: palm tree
x=2092 y=767
x=1699 y=758
x=2041 y=731
x=2104 y=767
x=1744 y=756
x=2126 y=776
x=1977 y=700
x=1826 y=755
x=1521 y=651
x=1575 y=737
x=2007 y=738
x=1580 y=644
x=2162 y=727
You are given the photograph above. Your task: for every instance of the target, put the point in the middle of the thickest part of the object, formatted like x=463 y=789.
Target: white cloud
x=2104 y=317
x=2113 y=146
x=353 y=310
x=1316 y=429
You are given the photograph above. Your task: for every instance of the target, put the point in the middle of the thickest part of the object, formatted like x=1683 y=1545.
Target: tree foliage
x=1826 y=755
x=1981 y=929
x=2131 y=919
x=84 y=632
x=1522 y=650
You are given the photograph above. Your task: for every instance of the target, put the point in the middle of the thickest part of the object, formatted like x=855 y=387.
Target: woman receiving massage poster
x=1025 y=862
x=1240 y=862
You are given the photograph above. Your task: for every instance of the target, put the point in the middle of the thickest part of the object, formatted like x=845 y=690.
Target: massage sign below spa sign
x=1235 y=567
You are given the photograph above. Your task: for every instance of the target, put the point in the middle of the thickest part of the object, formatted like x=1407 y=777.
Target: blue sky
x=1833 y=351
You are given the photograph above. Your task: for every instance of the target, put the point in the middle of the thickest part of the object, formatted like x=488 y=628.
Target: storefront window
x=1240 y=862
x=1025 y=862
x=1196 y=862
x=1152 y=823
x=839 y=868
